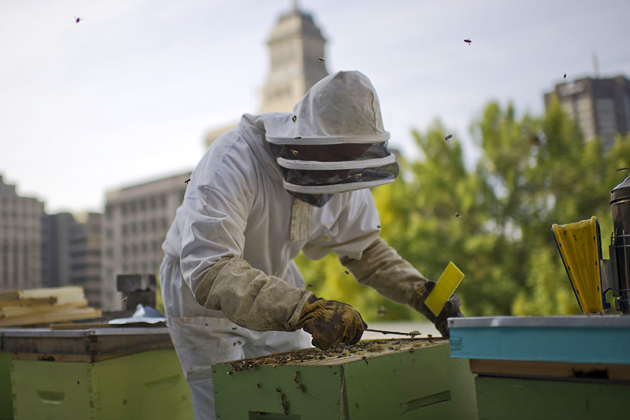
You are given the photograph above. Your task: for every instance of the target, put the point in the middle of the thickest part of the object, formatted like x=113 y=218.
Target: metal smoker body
x=615 y=272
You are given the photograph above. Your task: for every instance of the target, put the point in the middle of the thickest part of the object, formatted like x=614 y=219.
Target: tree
x=493 y=221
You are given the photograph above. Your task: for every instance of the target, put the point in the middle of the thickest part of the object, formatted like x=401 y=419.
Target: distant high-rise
x=85 y=255
x=20 y=239
x=297 y=61
x=600 y=106
x=134 y=226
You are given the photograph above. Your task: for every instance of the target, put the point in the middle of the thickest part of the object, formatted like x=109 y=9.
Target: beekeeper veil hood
x=334 y=140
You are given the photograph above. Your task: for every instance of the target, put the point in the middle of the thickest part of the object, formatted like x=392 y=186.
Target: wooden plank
x=28 y=302
x=550 y=369
x=66 y=294
x=17 y=311
x=54 y=314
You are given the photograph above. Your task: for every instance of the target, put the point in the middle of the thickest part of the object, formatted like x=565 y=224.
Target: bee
x=310 y=285
x=357 y=176
x=295 y=152
x=468 y=41
x=448 y=137
x=382 y=310
x=457 y=214
x=298 y=138
x=347 y=272
x=77 y=19
x=187 y=181
x=124 y=299
x=565 y=75
x=321 y=59
x=294 y=118
x=378 y=227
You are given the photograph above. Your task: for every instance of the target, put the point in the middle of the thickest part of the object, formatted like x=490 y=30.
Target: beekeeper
x=278 y=184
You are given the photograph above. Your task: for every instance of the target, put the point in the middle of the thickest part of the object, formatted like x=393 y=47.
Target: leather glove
x=450 y=310
x=331 y=322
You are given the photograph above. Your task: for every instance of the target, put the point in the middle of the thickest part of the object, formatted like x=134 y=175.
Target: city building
x=56 y=249
x=601 y=107
x=135 y=223
x=297 y=61
x=72 y=253
x=85 y=243
x=20 y=239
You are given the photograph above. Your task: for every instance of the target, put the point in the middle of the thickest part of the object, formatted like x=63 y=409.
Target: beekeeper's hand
x=331 y=322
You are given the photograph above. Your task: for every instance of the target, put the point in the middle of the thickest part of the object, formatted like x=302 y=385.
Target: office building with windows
x=20 y=239
x=135 y=223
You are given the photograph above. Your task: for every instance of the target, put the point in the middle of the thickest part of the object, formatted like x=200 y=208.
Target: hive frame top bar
x=47 y=332
x=582 y=321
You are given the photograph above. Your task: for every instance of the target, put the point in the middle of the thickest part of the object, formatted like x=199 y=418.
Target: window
x=123 y=208
x=133 y=207
x=144 y=226
x=144 y=247
x=133 y=228
x=134 y=249
x=143 y=205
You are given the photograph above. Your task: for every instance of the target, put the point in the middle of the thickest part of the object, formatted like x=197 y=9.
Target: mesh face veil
x=334 y=141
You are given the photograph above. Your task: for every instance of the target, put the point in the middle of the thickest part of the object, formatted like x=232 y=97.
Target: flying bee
x=295 y=152
x=187 y=181
x=468 y=41
x=321 y=59
x=347 y=272
x=382 y=310
x=298 y=138
x=310 y=285
x=565 y=75
x=293 y=118
x=448 y=137
x=77 y=19
x=457 y=214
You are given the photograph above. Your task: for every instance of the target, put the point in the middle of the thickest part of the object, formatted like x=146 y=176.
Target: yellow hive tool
x=444 y=288
x=580 y=248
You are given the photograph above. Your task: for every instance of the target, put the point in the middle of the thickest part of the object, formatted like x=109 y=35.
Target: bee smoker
x=616 y=271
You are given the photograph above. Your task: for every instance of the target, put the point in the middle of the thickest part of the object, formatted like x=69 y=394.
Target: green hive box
x=381 y=379
x=147 y=385
x=523 y=399
x=94 y=373
x=6 y=404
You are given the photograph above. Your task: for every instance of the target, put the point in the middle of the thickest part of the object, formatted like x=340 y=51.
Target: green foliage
x=493 y=221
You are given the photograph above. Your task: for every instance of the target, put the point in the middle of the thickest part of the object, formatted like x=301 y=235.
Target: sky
x=125 y=95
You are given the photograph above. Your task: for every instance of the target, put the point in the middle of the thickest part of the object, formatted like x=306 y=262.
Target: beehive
x=381 y=379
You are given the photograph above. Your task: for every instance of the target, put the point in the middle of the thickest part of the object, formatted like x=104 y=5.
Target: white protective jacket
x=230 y=286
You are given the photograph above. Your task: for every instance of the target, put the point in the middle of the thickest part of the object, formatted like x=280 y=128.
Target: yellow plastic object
x=444 y=288
x=579 y=248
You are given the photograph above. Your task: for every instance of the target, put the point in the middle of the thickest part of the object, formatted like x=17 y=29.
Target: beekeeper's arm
x=221 y=279
x=376 y=264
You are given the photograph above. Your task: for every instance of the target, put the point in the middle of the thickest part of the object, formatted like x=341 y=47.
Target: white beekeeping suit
x=278 y=184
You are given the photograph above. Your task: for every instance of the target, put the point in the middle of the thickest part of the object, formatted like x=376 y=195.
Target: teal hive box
x=382 y=379
x=564 y=367
x=98 y=374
